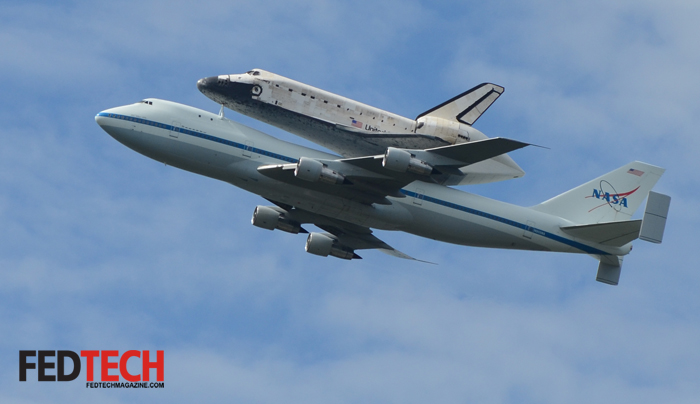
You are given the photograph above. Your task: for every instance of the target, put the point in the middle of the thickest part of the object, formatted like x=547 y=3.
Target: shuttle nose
x=208 y=84
x=223 y=90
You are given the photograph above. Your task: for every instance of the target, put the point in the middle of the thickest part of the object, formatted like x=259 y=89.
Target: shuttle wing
x=401 y=140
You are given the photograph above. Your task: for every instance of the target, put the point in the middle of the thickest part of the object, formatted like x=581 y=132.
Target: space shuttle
x=354 y=129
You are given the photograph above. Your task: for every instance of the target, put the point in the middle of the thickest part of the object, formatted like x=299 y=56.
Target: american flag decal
x=638 y=173
x=357 y=124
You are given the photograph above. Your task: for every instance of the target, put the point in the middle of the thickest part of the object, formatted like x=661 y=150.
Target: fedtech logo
x=45 y=365
x=606 y=192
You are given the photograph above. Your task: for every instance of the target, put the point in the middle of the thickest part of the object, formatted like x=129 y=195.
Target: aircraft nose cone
x=102 y=118
x=225 y=89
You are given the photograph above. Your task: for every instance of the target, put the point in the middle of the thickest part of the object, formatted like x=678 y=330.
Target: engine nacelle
x=402 y=161
x=265 y=218
x=313 y=170
x=270 y=219
x=320 y=244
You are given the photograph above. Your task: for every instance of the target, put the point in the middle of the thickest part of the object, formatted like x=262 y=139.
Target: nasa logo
x=612 y=198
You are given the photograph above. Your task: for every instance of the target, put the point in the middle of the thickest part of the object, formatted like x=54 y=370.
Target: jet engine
x=270 y=219
x=321 y=244
x=403 y=161
x=313 y=170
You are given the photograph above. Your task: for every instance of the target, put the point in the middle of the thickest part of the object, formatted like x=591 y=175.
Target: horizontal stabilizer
x=614 y=234
x=468 y=106
x=655 y=214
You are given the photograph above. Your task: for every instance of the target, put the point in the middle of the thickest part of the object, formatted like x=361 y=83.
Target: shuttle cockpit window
x=146 y=102
x=253 y=73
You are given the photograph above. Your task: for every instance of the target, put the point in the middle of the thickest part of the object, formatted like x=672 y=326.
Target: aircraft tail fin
x=468 y=106
x=602 y=209
x=612 y=197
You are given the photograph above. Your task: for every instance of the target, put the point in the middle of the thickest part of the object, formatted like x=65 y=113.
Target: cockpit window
x=253 y=73
x=146 y=102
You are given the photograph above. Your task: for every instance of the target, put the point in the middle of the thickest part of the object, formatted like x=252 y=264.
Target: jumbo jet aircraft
x=398 y=189
x=354 y=129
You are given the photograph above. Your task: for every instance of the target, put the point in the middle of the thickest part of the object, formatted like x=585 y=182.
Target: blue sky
x=102 y=248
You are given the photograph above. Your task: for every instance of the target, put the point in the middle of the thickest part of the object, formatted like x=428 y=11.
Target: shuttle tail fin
x=614 y=196
x=468 y=106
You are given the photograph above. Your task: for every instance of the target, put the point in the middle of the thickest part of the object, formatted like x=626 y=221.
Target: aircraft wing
x=362 y=189
x=367 y=180
x=348 y=235
x=452 y=157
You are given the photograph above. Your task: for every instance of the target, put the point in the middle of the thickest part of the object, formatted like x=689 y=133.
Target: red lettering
x=105 y=365
x=90 y=355
x=158 y=365
x=122 y=366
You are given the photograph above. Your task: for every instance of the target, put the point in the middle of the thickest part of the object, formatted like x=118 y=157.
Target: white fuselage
x=206 y=144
